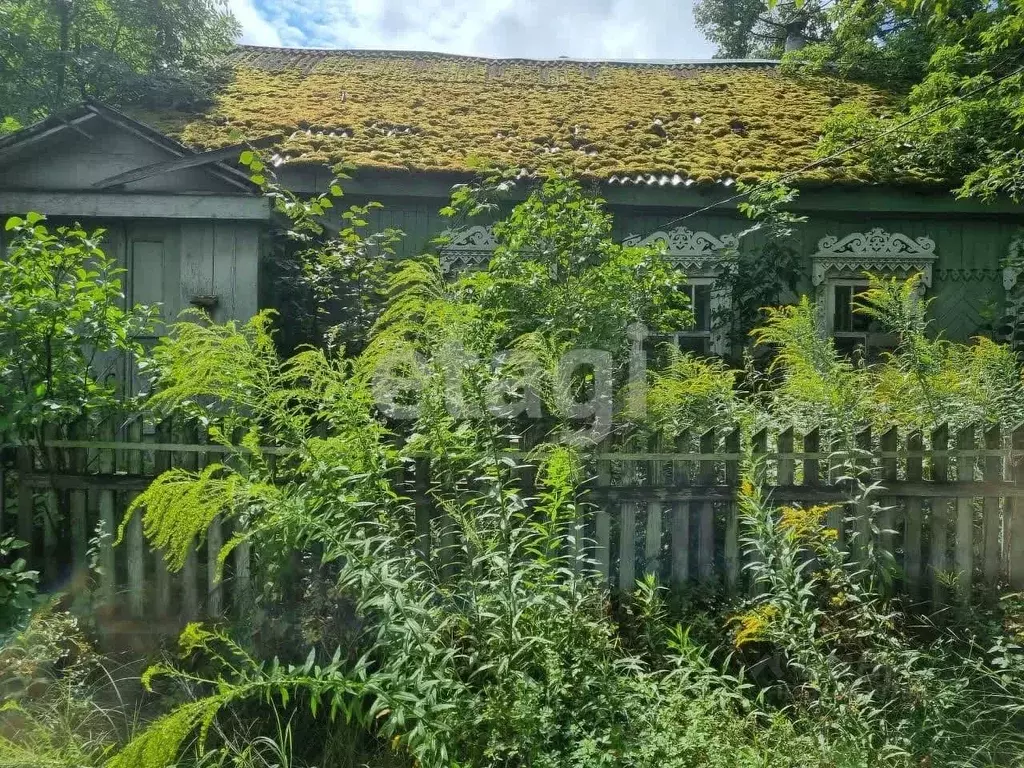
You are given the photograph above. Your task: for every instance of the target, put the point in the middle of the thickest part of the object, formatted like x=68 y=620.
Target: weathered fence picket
x=667 y=509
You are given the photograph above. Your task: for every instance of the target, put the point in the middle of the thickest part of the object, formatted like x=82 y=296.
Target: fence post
x=939 y=474
x=889 y=444
x=161 y=463
x=990 y=523
x=812 y=467
x=602 y=520
x=627 y=527
x=912 y=562
x=652 y=533
x=107 y=523
x=706 y=512
x=732 y=520
x=759 y=448
x=190 y=568
x=786 y=465
x=77 y=506
x=964 y=553
x=1015 y=553
x=862 y=512
x=135 y=540
x=680 y=535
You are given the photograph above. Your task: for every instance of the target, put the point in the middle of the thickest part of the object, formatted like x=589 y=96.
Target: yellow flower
x=754 y=624
x=802 y=523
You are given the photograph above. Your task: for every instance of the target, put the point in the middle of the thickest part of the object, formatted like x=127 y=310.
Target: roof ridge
x=248 y=51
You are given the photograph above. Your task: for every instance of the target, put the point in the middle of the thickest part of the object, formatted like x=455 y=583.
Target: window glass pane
x=702 y=307
x=862 y=323
x=695 y=344
x=842 y=319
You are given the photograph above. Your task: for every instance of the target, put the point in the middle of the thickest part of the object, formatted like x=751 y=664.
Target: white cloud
x=644 y=29
x=256 y=30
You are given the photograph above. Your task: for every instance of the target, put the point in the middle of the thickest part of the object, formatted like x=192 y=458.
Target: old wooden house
x=664 y=142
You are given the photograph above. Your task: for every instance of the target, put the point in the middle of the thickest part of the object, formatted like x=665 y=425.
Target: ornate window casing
x=838 y=274
x=469 y=248
x=701 y=257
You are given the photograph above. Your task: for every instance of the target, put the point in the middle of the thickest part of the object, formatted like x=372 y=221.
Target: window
x=855 y=332
x=838 y=274
x=699 y=255
x=698 y=337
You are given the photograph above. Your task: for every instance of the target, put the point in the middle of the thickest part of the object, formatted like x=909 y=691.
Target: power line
x=849 y=148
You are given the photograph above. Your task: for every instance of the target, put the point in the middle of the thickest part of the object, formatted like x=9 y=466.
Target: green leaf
x=14 y=222
x=336 y=190
x=246 y=157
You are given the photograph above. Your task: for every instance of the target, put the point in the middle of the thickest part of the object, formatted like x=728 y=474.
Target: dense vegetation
x=58 y=52
x=958 y=64
x=505 y=649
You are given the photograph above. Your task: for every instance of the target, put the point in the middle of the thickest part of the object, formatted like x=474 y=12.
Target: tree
x=54 y=52
x=756 y=29
x=63 y=333
x=958 y=114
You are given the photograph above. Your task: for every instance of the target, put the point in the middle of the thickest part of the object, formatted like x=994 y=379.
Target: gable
x=80 y=153
x=692 y=122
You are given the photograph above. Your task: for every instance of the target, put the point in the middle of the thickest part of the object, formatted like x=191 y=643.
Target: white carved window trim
x=468 y=248
x=700 y=255
x=844 y=262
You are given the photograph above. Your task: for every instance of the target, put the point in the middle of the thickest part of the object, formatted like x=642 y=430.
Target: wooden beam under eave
x=180 y=164
x=137 y=206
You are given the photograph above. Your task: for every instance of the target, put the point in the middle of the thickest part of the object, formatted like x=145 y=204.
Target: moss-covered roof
x=704 y=121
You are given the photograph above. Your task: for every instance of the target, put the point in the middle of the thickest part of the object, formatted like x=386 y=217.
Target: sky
x=593 y=29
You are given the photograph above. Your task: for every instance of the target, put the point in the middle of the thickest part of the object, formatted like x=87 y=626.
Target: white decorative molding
x=468 y=248
x=873 y=251
x=696 y=253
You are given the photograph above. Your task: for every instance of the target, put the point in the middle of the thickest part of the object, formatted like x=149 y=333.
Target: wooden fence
x=952 y=505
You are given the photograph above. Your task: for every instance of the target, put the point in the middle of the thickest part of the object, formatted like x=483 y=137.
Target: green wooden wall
x=967 y=276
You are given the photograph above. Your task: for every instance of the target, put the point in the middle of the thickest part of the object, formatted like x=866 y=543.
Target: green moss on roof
x=443 y=113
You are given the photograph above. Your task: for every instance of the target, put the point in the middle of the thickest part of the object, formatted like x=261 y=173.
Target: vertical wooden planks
x=214 y=585
x=862 y=513
x=190 y=568
x=889 y=445
x=107 y=524
x=602 y=520
x=939 y=516
x=77 y=509
x=627 y=528
x=990 y=522
x=912 y=554
x=964 y=546
x=162 y=577
x=652 y=532
x=759 y=448
x=706 y=511
x=836 y=518
x=51 y=518
x=731 y=549
x=812 y=465
x=134 y=540
x=786 y=466
x=680 y=534
x=1015 y=545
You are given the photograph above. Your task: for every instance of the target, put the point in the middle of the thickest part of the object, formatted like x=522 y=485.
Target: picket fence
x=952 y=511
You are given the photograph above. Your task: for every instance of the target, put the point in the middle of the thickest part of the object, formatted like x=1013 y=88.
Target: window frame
x=846 y=261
